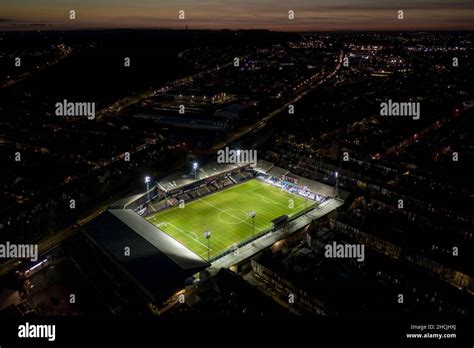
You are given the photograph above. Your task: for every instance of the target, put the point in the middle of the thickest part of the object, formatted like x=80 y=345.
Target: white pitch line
x=204 y=254
x=187 y=235
x=223 y=211
x=277 y=193
x=310 y=201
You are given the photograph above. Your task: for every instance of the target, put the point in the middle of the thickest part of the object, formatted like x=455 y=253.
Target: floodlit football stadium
x=227 y=215
x=216 y=209
x=196 y=221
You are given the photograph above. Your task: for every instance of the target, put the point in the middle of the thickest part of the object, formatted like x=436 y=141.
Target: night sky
x=239 y=14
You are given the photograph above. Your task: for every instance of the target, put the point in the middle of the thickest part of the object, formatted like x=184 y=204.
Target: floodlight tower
x=147 y=182
x=252 y=215
x=207 y=235
x=305 y=189
x=336 y=193
x=195 y=168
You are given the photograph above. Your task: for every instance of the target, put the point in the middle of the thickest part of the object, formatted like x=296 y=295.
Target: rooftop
x=157 y=262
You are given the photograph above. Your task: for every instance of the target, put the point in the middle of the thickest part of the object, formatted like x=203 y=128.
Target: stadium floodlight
x=147 y=182
x=207 y=235
x=336 y=193
x=195 y=168
x=252 y=215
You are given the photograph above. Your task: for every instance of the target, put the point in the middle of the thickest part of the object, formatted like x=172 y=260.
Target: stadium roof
x=157 y=263
x=125 y=202
x=263 y=166
x=314 y=186
x=277 y=172
x=209 y=170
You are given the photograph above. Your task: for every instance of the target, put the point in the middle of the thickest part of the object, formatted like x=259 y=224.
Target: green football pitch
x=226 y=214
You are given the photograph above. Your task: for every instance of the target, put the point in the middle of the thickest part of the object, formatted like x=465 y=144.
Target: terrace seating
x=238 y=177
x=173 y=201
x=184 y=197
x=193 y=193
x=203 y=190
x=227 y=182
x=246 y=175
x=159 y=205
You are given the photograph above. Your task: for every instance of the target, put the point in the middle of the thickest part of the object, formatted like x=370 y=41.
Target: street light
x=252 y=215
x=207 y=235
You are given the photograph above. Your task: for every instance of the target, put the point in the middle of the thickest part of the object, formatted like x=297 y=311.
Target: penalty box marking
x=186 y=233
x=277 y=193
x=226 y=211
x=282 y=195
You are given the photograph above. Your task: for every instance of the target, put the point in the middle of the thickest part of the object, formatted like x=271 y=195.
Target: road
x=230 y=138
x=51 y=241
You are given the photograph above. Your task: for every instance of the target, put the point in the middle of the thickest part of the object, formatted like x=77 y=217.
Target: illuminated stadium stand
x=213 y=176
x=157 y=265
x=314 y=186
x=135 y=201
x=263 y=166
x=209 y=178
x=283 y=177
x=277 y=172
x=208 y=171
x=175 y=182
